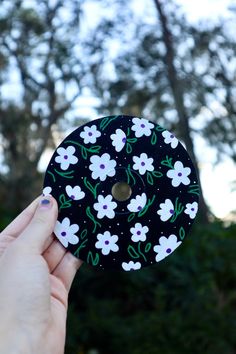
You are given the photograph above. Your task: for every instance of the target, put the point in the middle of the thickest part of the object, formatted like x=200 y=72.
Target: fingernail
x=45 y=203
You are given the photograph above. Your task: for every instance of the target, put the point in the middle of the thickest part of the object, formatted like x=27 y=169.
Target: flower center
x=172 y=211
x=172 y=136
x=168 y=250
x=102 y=166
x=124 y=140
x=142 y=163
x=65 y=157
x=107 y=242
x=90 y=134
x=105 y=206
x=138 y=232
x=72 y=197
x=139 y=207
x=142 y=125
x=192 y=209
x=63 y=233
x=180 y=174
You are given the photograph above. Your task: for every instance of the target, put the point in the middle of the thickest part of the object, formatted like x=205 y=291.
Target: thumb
x=41 y=225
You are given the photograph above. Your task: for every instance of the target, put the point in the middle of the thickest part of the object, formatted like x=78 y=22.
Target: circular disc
x=127 y=192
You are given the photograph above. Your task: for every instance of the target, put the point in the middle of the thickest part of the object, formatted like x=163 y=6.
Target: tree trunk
x=178 y=95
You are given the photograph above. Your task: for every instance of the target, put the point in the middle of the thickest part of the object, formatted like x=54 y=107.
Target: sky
x=216 y=180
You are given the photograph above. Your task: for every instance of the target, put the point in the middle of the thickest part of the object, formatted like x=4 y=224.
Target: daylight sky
x=216 y=180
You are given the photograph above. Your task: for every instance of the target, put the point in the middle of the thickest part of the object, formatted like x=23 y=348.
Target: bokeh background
x=63 y=63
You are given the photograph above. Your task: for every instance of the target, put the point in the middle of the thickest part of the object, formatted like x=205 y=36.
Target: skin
x=36 y=273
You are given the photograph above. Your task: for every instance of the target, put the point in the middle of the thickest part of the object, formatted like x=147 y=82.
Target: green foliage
x=183 y=305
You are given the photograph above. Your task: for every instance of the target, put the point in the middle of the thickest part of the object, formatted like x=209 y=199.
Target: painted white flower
x=90 y=134
x=105 y=207
x=66 y=157
x=107 y=243
x=143 y=163
x=139 y=232
x=170 y=139
x=167 y=210
x=47 y=191
x=138 y=203
x=102 y=166
x=75 y=193
x=179 y=174
x=166 y=246
x=141 y=127
x=131 y=266
x=66 y=232
x=118 y=140
x=191 y=209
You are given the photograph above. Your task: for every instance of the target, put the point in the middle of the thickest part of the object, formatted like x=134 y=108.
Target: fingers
x=38 y=232
x=54 y=254
x=67 y=269
x=21 y=221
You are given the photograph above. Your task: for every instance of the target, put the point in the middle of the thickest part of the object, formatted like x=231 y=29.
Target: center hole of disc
x=121 y=191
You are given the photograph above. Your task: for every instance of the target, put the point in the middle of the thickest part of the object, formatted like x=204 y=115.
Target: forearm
x=13 y=341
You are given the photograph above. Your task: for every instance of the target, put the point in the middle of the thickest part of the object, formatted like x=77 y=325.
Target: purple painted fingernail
x=45 y=203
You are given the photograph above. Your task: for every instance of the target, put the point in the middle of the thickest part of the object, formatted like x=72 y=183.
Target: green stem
x=91 y=217
x=53 y=177
x=140 y=252
x=64 y=174
x=82 y=245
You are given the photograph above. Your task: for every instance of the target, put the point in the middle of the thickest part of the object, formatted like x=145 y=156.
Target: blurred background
x=63 y=63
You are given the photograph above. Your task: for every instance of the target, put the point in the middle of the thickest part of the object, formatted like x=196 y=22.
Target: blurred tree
x=216 y=49
x=39 y=43
x=153 y=74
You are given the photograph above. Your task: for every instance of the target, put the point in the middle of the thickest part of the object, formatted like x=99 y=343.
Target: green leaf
x=83 y=234
x=131 y=216
x=132 y=252
x=128 y=148
x=95 y=148
x=132 y=140
x=154 y=138
x=157 y=174
x=148 y=247
x=181 y=233
x=84 y=153
x=150 y=178
x=93 y=259
x=62 y=199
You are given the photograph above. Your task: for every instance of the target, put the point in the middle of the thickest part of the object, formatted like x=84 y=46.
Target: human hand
x=36 y=273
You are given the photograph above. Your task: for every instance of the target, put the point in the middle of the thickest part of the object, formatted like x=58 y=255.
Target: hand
x=36 y=273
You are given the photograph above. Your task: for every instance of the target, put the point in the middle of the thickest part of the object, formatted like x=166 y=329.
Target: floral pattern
x=66 y=157
x=118 y=140
x=139 y=232
x=167 y=210
x=151 y=222
x=66 y=233
x=169 y=138
x=107 y=243
x=90 y=134
x=131 y=266
x=75 y=193
x=179 y=174
x=138 y=203
x=191 y=209
x=102 y=166
x=142 y=127
x=105 y=207
x=166 y=246
x=143 y=163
